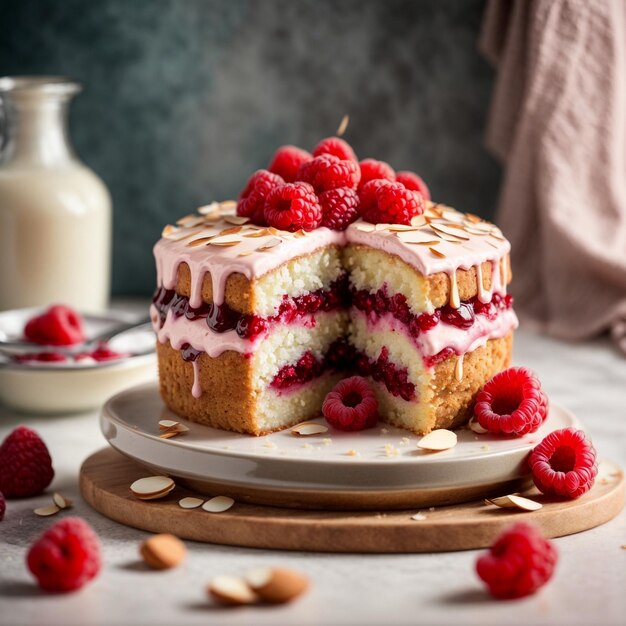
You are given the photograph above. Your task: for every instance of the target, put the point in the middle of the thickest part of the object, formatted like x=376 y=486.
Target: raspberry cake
x=259 y=314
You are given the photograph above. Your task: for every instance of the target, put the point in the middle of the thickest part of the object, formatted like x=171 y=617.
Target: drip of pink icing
x=196 y=390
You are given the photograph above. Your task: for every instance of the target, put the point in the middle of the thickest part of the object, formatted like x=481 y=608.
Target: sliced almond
x=189 y=220
x=237 y=220
x=199 y=242
x=219 y=504
x=228 y=206
x=231 y=590
x=419 y=236
x=277 y=585
x=382 y=226
x=418 y=517
x=46 y=511
x=440 y=439
x=436 y=252
x=165 y=424
x=306 y=429
x=152 y=485
x=208 y=209
x=397 y=228
x=474 y=426
x=268 y=245
x=300 y=233
x=190 y=503
x=163 y=551
x=246 y=253
x=366 y=227
x=343 y=125
x=263 y=232
x=169 y=434
x=233 y=230
x=225 y=240
x=418 y=220
x=451 y=232
x=513 y=501
x=61 y=501
x=473 y=218
x=169 y=230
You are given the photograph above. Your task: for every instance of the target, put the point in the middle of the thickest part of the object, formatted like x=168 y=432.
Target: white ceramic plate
x=49 y=388
x=387 y=458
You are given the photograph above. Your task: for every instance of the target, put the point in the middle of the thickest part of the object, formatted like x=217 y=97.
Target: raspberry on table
x=519 y=562
x=66 y=556
x=287 y=161
x=293 y=206
x=327 y=172
x=337 y=147
x=252 y=199
x=59 y=326
x=371 y=169
x=389 y=203
x=564 y=463
x=351 y=405
x=3 y=506
x=414 y=182
x=25 y=464
x=512 y=403
x=340 y=207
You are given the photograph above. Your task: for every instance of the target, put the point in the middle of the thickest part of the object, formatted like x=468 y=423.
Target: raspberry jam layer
x=222 y=319
x=380 y=304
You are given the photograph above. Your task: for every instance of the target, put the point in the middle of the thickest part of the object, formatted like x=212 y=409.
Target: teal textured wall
x=185 y=98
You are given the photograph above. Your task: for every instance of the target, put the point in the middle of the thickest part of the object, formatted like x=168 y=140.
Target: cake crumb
x=307 y=446
x=383 y=431
x=327 y=441
x=391 y=450
x=352 y=452
x=418 y=517
x=404 y=441
x=270 y=444
x=431 y=509
x=485 y=447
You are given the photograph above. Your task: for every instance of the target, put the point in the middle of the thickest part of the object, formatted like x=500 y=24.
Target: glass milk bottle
x=55 y=213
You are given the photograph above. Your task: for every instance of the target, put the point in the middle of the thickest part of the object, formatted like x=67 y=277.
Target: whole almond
x=163 y=551
x=277 y=585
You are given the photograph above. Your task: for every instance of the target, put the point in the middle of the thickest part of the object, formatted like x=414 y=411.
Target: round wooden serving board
x=106 y=476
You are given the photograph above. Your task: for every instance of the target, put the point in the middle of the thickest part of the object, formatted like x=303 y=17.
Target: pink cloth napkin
x=558 y=123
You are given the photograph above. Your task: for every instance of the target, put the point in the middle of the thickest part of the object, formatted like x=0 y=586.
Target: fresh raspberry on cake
x=287 y=161
x=371 y=169
x=58 y=326
x=512 y=403
x=337 y=147
x=25 y=464
x=414 y=182
x=564 y=464
x=351 y=405
x=293 y=206
x=252 y=199
x=340 y=207
x=327 y=172
x=518 y=563
x=66 y=556
x=389 y=203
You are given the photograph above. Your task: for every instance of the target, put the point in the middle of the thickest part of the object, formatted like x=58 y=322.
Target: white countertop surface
x=588 y=587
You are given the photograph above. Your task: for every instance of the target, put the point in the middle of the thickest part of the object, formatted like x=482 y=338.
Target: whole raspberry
x=414 y=182
x=564 y=464
x=340 y=207
x=287 y=161
x=511 y=403
x=351 y=405
x=25 y=464
x=389 y=203
x=371 y=169
x=3 y=506
x=337 y=147
x=66 y=556
x=518 y=563
x=329 y=172
x=58 y=326
x=252 y=199
x=293 y=206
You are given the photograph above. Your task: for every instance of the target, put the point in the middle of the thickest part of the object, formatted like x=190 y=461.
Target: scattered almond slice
x=237 y=220
x=246 y=253
x=366 y=227
x=231 y=590
x=264 y=232
x=450 y=232
x=165 y=424
x=225 y=240
x=515 y=502
x=152 y=486
x=199 y=242
x=189 y=220
x=419 y=236
x=219 y=504
x=343 y=125
x=381 y=226
x=190 y=503
x=207 y=209
x=475 y=427
x=169 y=434
x=398 y=228
x=272 y=243
x=438 y=440
x=61 y=501
x=46 y=511
x=418 y=220
x=228 y=206
x=309 y=428
x=441 y=255
x=169 y=229
x=163 y=551
x=230 y=231
x=418 y=517
x=277 y=585
x=186 y=234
